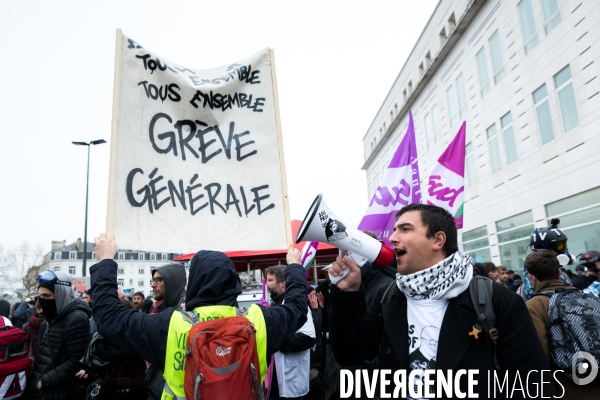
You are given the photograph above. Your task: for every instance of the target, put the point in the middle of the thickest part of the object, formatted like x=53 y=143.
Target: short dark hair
x=542 y=264
x=277 y=270
x=490 y=266
x=436 y=219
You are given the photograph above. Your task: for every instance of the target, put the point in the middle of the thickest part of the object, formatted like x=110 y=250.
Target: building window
x=93 y=255
x=72 y=255
x=462 y=97
x=513 y=239
x=72 y=270
x=120 y=271
x=443 y=36
x=429 y=133
x=508 y=134
x=421 y=70
x=452 y=106
x=121 y=256
x=120 y=282
x=384 y=127
x=471 y=170
x=391 y=116
x=451 y=22
x=496 y=54
x=477 y=244
x=427 y=59
x=57 y=255
x=566 y=99
x=141 y=271
x=579 y=220
x=152 y=256
x=131 y=281
x=435 y=118
x=528 y=25
x=551 y=14
x=410 y=88
x=57 y=268
x=494 y=148
x=140 y=256
x=542 y=109
x=395 y=108
x=404 y=96
x=141 y=283
x=484 y=80
x=164 y=256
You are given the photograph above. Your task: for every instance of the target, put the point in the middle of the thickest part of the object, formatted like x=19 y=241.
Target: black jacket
x=62 y=345
x=212 y=281
x=359 y=334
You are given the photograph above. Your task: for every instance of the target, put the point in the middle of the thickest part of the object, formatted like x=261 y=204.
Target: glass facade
x=510 y=143
x=496 y=54
x=542 y=108
x=566 y=99
x=579 y=220
x=528 y=25
x=484 y=80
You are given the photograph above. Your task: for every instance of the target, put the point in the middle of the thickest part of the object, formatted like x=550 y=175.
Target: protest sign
x=196 y=155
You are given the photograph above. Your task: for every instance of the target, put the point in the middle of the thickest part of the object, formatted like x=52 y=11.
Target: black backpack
x=481 y=290
x=573 y=326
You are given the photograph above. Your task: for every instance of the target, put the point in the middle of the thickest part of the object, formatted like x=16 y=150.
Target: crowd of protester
x=107 y=345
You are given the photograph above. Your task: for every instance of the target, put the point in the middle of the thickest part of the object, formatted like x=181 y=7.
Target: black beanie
x=48 y=286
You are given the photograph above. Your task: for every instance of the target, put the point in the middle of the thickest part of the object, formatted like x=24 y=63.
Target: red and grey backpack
x=222 y=360
x=15 y=364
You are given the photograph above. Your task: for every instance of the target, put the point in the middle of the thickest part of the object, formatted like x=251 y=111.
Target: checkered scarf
x=445 y=280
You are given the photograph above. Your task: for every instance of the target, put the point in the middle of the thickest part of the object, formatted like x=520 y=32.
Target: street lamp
x=87 y=183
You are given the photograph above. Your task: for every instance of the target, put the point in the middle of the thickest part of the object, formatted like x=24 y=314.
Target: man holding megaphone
x=427 y=320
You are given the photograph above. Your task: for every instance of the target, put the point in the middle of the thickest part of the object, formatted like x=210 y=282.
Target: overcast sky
x=335 y=61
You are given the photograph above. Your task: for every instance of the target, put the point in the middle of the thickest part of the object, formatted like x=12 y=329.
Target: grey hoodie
x=64 y=295
x=175 y=280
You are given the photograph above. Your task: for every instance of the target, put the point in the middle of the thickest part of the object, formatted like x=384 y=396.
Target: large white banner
x=196 y=155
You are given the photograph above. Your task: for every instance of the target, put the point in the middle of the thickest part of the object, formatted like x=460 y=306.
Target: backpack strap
x=481 y=290
x=386 y=298
x=546 y=293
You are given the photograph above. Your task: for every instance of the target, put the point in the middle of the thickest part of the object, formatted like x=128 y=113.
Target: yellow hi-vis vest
x=180 y=326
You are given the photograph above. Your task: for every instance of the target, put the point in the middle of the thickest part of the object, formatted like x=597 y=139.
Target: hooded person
x=212 y=290
x=64 y=337
x=168 y=287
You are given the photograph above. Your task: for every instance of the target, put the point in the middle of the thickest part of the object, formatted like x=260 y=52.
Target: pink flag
x=447 y=178
x=399 y=187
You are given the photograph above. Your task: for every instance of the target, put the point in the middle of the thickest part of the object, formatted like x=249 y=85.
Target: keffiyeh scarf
x=445 y=280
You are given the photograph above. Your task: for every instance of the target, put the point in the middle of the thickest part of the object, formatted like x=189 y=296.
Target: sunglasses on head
x=50 y=278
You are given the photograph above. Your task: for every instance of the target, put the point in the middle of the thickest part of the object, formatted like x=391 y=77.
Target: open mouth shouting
x=399 y=253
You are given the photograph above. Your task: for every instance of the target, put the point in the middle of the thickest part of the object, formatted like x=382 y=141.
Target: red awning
x=259 y=259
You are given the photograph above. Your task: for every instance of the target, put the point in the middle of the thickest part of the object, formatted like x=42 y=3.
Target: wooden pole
x=286 y=206
x=112 y=174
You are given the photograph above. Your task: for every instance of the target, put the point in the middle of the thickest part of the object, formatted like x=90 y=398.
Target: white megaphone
x=321 y=225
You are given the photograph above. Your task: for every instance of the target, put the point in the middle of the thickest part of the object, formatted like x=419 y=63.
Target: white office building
x=134 y=271
x=523 y=74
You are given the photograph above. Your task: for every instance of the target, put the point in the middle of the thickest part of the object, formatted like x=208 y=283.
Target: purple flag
x=400 y=186
x=446 y=183
x=309 y=251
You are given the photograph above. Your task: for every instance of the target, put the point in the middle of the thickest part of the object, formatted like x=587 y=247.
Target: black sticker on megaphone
x=335 y=230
